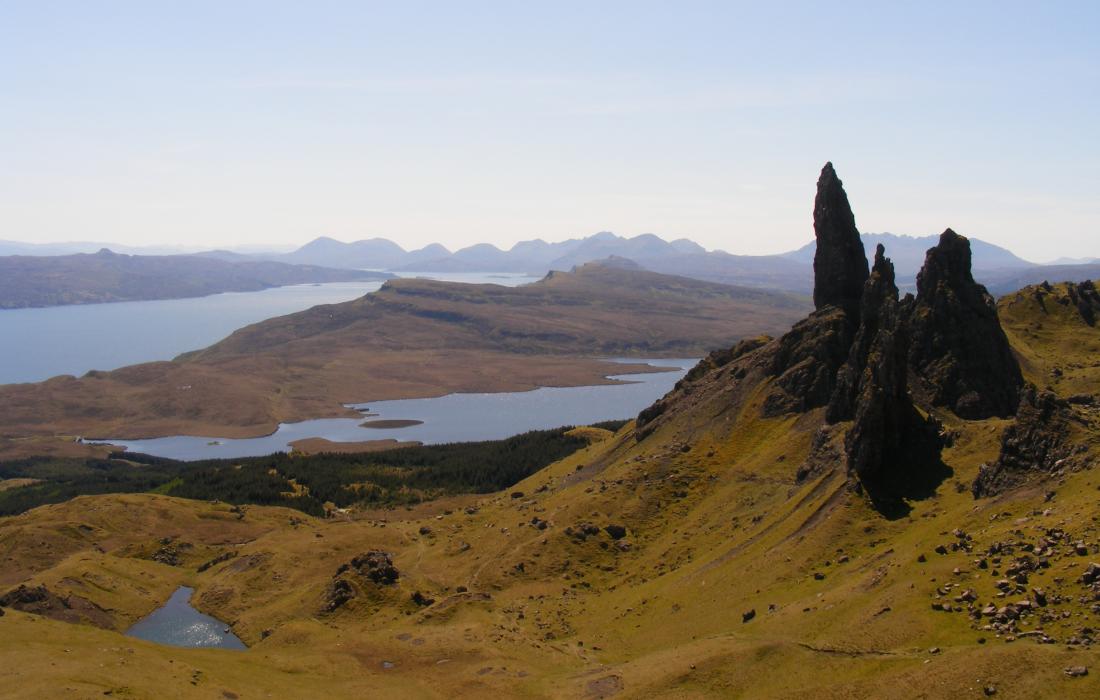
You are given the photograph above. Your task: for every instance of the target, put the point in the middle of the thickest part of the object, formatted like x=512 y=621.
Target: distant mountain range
x=34 y=281
x=996 y=267
x=1000 y=269
x=75 y=247
x=907 y=253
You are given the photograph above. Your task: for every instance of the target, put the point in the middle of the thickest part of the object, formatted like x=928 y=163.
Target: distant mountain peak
x=612 y=262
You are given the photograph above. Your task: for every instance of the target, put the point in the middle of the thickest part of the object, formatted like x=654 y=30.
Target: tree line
x=306 y=482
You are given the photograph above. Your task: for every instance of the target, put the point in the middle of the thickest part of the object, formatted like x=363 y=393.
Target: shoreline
x=638 y=366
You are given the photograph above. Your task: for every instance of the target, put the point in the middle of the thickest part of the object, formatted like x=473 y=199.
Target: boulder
x=615 y=532
x=422 y=600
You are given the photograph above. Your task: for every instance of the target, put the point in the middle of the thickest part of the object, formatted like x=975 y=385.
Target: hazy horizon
x=261 y=249
x=226 y=125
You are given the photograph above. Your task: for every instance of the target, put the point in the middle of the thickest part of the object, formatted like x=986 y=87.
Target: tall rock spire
x=958 y=351
x=840 y=263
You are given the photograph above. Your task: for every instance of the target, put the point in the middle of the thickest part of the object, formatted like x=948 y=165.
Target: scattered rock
x=170 y=552
x=615 y=532
x=582 y=531
x=338 y=593
x=376 y=566
x=748 y=615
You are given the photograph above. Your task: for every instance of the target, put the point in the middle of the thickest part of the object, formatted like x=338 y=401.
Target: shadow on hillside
x=914 y=474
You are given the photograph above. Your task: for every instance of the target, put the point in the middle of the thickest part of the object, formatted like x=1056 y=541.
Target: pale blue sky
x=228 y=123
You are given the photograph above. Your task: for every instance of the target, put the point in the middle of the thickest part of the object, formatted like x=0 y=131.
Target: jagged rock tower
x=958 y=352
x=840 y=263
x=869 y=359
x=806 y=363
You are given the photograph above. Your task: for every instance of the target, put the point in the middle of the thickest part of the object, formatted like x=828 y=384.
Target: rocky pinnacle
x=958 y=350
x=840 y=263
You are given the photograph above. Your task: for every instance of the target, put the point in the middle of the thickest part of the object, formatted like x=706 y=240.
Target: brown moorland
x=723 y=545
x=732 y=577
x=413 y=338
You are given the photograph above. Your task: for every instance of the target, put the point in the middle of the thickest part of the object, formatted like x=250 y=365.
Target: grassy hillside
x=696 y=562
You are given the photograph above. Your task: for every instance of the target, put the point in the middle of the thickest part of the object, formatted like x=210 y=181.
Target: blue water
x=37 y=344
x=180 y=625
x=450 y=418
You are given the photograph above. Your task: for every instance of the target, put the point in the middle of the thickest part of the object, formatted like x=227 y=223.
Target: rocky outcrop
x=357 y=576
x=39 y=600
x=958 y=353
x=878 y=352
x=809 y=356
x=1036 y=443
x=338 y=594
x=871 y=386
x=375 y=566
x=806 y=362
x=870 y=359
x=1082 y=297
x=840 y=263
x=1085 y=299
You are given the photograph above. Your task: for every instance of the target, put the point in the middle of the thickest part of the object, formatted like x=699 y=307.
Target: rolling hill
x=791 y=521
x=36 y=281
x=412 y=338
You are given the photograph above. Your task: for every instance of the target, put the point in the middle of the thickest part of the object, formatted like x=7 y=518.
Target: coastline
x=520 y=374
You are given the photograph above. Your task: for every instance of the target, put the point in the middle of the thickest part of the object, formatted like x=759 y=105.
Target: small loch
x=450 y=418
x=178 y=624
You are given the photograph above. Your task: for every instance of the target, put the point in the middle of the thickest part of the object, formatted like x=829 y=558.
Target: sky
x=236 y=123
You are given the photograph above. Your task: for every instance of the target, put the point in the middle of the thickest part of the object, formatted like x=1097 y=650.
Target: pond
x=450 y=418
x=178 y=624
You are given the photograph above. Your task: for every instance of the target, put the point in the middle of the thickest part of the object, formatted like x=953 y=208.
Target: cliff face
x=871 y=386
x=958 y=351
x=877 y=340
